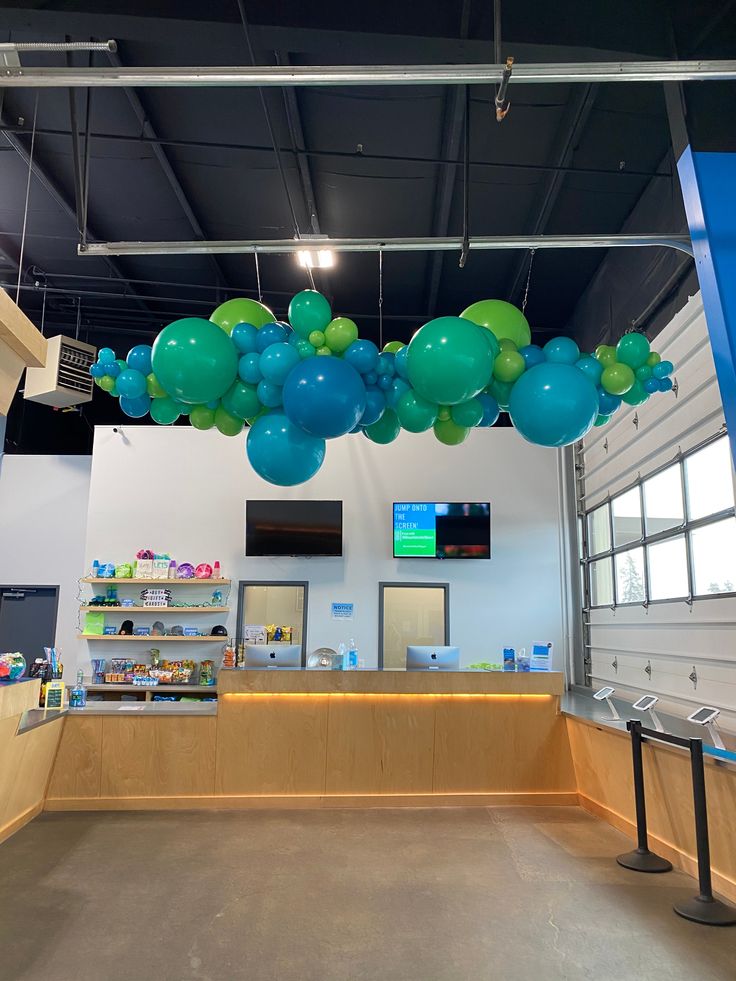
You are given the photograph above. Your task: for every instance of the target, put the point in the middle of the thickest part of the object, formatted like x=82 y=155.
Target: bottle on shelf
x=95 y=572
x=343 y=656
x=216 y=573
x=352 y=664
x=78 y=694
x=172 y=569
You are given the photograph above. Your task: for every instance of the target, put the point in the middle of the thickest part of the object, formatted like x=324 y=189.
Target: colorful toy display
x=298 y=384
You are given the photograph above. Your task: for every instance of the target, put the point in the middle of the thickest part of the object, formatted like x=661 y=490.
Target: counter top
x=145 y=708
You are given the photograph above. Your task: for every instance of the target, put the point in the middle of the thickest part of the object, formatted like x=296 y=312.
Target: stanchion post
x=641 y=859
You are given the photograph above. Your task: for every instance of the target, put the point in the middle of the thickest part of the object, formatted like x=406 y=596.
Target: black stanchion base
x=642 y=860
x=711 y=912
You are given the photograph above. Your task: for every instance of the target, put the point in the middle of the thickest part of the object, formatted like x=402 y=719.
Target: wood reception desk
x=311 y=738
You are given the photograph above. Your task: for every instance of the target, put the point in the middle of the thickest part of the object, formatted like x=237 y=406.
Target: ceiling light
x=315 y=257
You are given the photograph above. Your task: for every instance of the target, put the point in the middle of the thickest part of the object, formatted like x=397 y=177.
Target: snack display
x=12 y=666
x=277 y=635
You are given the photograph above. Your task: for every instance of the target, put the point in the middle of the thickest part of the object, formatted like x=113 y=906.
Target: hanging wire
x=528 y=280
x=43 y=308
x=79 y=316
x=28 y=194
x=380 y=299
x=258 y=277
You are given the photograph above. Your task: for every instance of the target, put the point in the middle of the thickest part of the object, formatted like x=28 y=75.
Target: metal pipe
x=289 y=246
x=53 y=46
x=326 y=75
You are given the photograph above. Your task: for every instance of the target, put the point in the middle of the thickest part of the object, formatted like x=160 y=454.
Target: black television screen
x=293 y=528
x=442 y=531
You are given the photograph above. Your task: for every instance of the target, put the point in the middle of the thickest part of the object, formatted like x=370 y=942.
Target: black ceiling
x=377 y=162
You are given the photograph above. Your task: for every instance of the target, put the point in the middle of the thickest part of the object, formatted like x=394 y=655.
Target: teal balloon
x=112 y=368
x=244 y=337
x=397 y=389
x=643 y=373
x=665 y=384
x=386 y=364
x=591 y=367
x=449 y=360
x=194 y=360
x=491 y=410
x=269 y=334
x=663 y=369
x=106 y=356
x=139 y=358
x=415 y=413
x=363 y=356
x=468 y=413
x=375 y=406
x=385 y=430
x=607 y=404
x=553 y=404
x=277 y=361
x=164 y=411
x=269 y=394
x=249 y=368
x=324 y=397
x=309 y=311
x=281 y=453
x=561 y=350
x=651 y=385
x=532 y=354
x=400 y=362
x=131 y=384
x=136 y=408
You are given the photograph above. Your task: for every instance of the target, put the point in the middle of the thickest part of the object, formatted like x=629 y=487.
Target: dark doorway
x=28 y=619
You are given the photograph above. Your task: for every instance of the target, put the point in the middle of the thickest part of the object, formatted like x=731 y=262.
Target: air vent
x=65 y=380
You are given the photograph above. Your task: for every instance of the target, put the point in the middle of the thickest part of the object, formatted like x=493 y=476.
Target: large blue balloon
x=277 y=361
x=532 y=354
x=131 y=384
x=553 y=404
x=139 y=358
x=136 y=408
x=375 y=405
x=363 y=356
x=324 y=396
x=271 y=334
x=282 y=453
x=244 y=337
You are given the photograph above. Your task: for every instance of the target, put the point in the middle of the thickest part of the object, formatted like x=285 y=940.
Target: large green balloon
x=415 y=413
x=502 y=319
x=201 y=417
x=617 y=379
x=309 y=311
x=385 y=430
x=508 y=366
x=340 y=334
x=228 y=424
x=241 y=401
x=241 y=310
x=164 y=411
x=194 y=360
x=449 y=433
x=468 y=414
x=449 y=360
x=633 y=350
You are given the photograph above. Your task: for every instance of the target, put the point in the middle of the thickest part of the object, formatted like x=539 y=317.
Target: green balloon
x=508 y=366
x=494 y=345
x=501 y=392
x=444 y=412
x=606 y=354
x=502 y=319
x=201 y=417
x=305 y=349
x=154 y=387
x=468 y=414
x=449 y=433
x=227 y=424
x=653 y=359
x=601 y=420
x=241 y=401
x=164 y=411
x=340 y=334
x=506 y=344
x=636 y=395
x=317 y=338
x=391 y=347
x=183 y=407
x=98 y=381
x=449 y=361
x=633 y=350
x=324 y=351
x=194 y=360
x=643 y=372
x=415 y=413
x=385 y=430
x=122 y=363
x=241 y=310
x=106 y=383
x=617 y=379
x=309 y=311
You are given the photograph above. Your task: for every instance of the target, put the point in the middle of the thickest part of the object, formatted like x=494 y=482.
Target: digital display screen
x=604 y=693
x=293 y=528
x=703 y=715
x=645 y=703
x=442 y=530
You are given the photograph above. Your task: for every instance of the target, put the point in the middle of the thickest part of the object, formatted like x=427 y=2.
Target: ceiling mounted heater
x=65 y=379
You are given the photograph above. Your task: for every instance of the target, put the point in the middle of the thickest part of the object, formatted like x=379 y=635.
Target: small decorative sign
x=342 y=611
x=191 y=632
x=54 y=695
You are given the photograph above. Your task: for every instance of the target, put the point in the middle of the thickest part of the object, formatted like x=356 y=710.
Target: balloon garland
x=298 y=384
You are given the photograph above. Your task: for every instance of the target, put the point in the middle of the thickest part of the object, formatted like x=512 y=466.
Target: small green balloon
x=392 y=346
x=468 y=414
x=444 y=412
x=506 y=344
x=508 y=366
x=415 y=413
x=106 y=383
x=606 y=354
x=340 y=333
x=228 y=424
x=633 y=350
x=122 y=363
x=317 y=338
x=385 y=430
x=154 y=387
x=324 y=351
x=241 y=401
x=241 y=310
x=201 y=417
x=501 y=392
x=164 y=411
x=643 y=372
x=309 y=311
x=636 y=395
x=503 y=319
x=617 y=379
x=98 y=381
x=183 y=408
x=305 y=349
x=653 y=359
x=449 y=433
x=601 y=420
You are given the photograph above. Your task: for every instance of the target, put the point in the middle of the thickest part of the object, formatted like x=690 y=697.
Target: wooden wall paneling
x=77 y=770
x=25 y=765
x=15 y=699
x=368 y=683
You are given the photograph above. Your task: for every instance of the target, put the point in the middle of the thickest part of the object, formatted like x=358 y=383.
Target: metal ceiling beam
x=289 y=246
x=345 y=75
x=296 y=132
x=569 y=131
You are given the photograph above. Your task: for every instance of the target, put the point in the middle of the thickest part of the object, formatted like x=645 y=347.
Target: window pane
x=714 y=557
x=627 y=517
x=630 y=576
x=709 y=481
x=599 y=530
x=601 y=583
x=411 y=615
x=668 y=569
x=663 y=501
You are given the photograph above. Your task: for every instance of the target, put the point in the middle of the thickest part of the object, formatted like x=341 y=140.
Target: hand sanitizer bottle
x=342 y=657
x=78 y=694
x=352 y=656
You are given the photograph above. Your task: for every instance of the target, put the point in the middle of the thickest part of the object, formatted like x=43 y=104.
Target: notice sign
x=342 y=611
x=415 y=530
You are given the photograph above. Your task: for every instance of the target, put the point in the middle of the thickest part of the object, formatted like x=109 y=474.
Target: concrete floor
x=499 y=894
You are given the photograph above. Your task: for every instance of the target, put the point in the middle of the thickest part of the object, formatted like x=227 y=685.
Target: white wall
x=43 y=517
x=182 y=491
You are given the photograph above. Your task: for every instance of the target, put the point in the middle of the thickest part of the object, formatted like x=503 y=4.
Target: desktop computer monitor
x=273 y=656
x=432 y=658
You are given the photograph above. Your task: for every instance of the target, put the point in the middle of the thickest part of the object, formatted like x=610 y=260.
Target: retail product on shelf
x=159 y=672
x=207 y=673
x=12 y=666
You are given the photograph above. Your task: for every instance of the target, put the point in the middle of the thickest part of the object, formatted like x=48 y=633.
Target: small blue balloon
x=375 y=405
x=400 y=364
x=97 y=370
x=607 y=404
x=386 y=364
x=532 y=354
x=136 y=408
x=663 y=369
x=394 y=393
x=665 y=384
x=651 y=385
x=282 y=453
x=131 y=384
x=561 y=350
x=213 y=404
x=270 y=334
x=249 y=368
x=362 y=355
x=591 y=367
x=384 y=382
x=277 y=361
x=553 y=404
x=106 y=355
x=324 y=396
x=139 y=358
x=112 y=369
x=269 y=394
x=244 y=337
x=491 y=411
x=371 y=378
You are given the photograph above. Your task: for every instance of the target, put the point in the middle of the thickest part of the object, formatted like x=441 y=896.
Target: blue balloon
x=400 y=364
x=663 y=369
x=249 y=368
x=491 y=411
x=532 y=354
x=269 y=394
x=375 y=405
x=651 y=385
x=371 y=378
x=136 y=408
x=386 y=364
x=591 y=367
x=244 y=337
x=324 y=396
x=97 y=370
x=362 y=355
x=385 y=382
x=665 y=384
x=277 y=361
x=397 y=389
x=131 y=384
x=561 y=350
x=282 y=453
x=112 y=368
x=607 y=404
x=213 y=404
x=271 y=334
x=106 y=355
x=553 y=404
x=139 y=358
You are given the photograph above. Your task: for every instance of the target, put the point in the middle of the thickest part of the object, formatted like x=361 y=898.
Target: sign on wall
x=342 y=611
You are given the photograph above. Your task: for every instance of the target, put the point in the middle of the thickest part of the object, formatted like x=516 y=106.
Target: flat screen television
x=442 y=530
x=293 y=528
